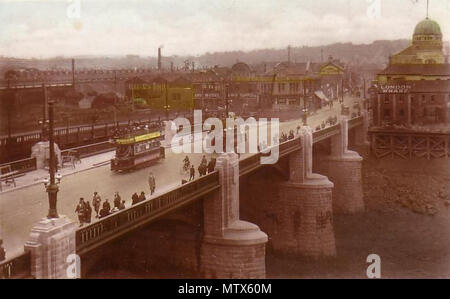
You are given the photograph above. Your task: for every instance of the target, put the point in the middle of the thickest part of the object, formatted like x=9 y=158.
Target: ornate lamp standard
x=52 y=186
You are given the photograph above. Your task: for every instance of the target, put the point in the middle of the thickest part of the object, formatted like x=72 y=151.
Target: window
x=401 y=112
x=432 y=99
x=386 y=99
x=387 y=113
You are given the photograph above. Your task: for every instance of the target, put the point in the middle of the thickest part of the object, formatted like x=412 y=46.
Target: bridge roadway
x=22 y=208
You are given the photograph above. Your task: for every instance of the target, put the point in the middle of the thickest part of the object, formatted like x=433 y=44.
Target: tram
x=136 y=149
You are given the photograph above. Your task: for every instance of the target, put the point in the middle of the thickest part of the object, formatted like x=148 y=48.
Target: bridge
x=229 y=247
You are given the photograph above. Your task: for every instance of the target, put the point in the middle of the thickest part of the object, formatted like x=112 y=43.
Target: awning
x=321 y=96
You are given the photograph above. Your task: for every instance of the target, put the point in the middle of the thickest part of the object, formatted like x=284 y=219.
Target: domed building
x=426 y=47
x=414 y=89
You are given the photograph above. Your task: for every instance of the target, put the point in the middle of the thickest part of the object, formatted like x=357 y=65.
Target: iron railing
x=22 y=166
x=18 y=267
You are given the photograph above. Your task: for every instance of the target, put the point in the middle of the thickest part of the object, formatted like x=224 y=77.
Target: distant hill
x=374 y=55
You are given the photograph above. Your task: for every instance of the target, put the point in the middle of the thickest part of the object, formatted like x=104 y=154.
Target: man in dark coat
x=80 y=210
x=134 y=198
x=96 y=200
x=88 y=212
x=141 y=196
x=192 y=173
x=117 y=200
x=106 y=205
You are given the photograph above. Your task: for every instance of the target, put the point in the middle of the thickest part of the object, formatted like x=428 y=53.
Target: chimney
x=73 y=73
x=289 y=55
x=159 y=58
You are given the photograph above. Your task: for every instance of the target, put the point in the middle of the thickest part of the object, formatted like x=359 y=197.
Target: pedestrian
x=204 y=161
x=80 y=211
x=2 y=251
x=107 y=206
x=122 y=205
x=88 y=212
x=211 y=165
x=104 y=212
x=192 y=173
x=141 y=196
x=151 y=183
x=200 y=170
x=117 y=200
x=134 y=198
x=96 y=200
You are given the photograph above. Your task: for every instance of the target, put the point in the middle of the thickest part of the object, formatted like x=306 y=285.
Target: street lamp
x=51 y=185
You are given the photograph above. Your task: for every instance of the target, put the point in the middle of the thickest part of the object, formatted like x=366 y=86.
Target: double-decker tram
x=137 y=149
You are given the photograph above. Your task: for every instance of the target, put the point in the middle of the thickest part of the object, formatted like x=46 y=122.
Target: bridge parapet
x=17 y=267
x=122 y=222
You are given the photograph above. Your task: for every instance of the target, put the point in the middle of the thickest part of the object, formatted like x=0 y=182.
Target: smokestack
x=289 y=55
x=159 y=58
x=171 y=66
x=73 y=73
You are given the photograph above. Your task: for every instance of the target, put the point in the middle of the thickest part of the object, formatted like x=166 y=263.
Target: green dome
x=428 y=27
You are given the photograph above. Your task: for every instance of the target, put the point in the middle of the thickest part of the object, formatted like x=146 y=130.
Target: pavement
x=21 y=207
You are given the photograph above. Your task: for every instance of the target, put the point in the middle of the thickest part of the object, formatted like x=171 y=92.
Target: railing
x=22 y=166
x=91 y=149
x=354 y=122
x=18 y=267
x=326 y=133
x=117 y=224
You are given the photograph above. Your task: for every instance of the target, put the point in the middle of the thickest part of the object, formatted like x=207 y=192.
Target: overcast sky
x=107 y=27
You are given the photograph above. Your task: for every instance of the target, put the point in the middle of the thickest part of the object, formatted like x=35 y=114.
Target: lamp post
x=52 y=187
x=304 y=110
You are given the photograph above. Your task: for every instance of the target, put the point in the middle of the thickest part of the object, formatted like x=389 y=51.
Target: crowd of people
x=84 y=208
x=204 y=168
x=103 y=209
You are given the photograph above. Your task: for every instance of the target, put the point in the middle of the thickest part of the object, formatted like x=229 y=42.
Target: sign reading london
x=394 y=88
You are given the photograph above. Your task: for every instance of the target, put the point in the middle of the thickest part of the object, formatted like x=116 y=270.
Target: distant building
x=414 y=89
x=426 y=47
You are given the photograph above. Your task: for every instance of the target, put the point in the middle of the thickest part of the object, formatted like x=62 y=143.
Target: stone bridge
x=200 y=227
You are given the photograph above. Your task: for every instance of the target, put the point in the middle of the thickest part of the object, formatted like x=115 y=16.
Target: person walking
x=122 y=205
x=107 y=206
x=80 y=211
x=117 y=200
x=2 y=251
x=88 y=212
x=211 y=165
x=141 y=197
x=134 y=198
x=151 y=183
x=96 y=200
x=192 y=173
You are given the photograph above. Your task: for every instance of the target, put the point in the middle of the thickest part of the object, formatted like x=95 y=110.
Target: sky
x=49 y=28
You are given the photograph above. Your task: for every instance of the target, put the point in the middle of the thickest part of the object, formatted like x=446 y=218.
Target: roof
x=428 y=27
x=417 y=69
x=438 y=86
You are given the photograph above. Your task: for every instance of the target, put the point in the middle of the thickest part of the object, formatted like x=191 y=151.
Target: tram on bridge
x=137 y=149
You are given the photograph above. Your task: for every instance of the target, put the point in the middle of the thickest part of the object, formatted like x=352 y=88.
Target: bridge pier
x=344 y=170
x=362 y=145
x=231 y=248
x=50 y=244
x=306 y=208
